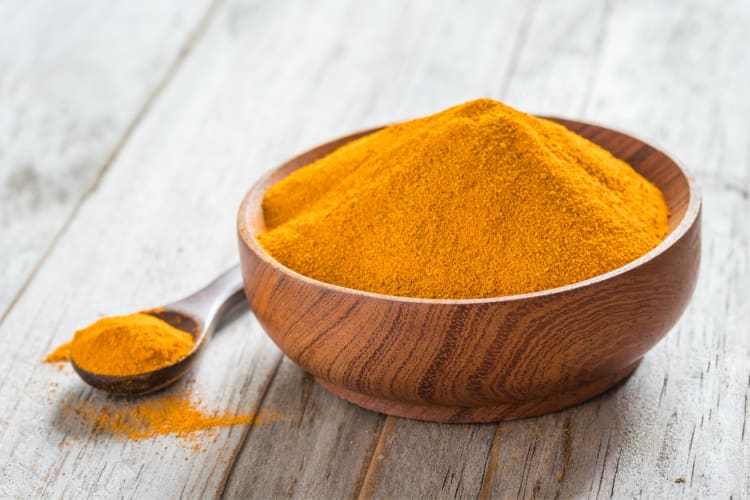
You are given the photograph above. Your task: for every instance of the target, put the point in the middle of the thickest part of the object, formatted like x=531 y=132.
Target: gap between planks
x=520 y=43
x=490 y=463
x=365 y=486
x=246 y=433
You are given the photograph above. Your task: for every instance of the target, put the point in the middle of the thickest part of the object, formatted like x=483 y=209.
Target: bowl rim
x=688 y=221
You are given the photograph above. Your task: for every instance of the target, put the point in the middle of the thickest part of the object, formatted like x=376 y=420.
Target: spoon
x=198 y=315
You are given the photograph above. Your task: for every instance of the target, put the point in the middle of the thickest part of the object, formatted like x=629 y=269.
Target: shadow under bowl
x=480 y=360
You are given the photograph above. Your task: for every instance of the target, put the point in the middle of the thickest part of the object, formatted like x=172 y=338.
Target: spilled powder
x=135 y=419
x=175 y=412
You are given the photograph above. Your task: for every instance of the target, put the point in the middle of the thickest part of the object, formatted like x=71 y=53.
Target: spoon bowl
x=197 y=315
x=480 y=360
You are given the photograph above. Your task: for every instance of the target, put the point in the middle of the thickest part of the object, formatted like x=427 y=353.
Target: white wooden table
x=130 y=130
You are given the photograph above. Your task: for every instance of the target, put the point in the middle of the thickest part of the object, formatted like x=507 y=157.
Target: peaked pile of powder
x=479 y=200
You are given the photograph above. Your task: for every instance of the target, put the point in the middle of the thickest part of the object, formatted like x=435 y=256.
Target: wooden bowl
x=480 y=360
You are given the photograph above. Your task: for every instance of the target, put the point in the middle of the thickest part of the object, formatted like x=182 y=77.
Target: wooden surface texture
x=129 y=132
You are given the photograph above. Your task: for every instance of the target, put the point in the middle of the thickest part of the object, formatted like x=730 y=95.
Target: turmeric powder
x=179 y=412
x=176 y=413
x=128 y=345
x=479 y=200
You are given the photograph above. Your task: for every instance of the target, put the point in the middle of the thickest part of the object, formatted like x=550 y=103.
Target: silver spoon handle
x=213 y=300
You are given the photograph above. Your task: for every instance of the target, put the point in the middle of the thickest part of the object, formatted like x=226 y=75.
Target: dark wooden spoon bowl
x=489 y=359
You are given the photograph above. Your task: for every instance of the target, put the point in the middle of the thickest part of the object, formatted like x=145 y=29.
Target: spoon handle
x=213 y=300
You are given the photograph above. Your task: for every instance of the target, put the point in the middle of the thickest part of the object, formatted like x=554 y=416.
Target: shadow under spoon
x=197 y=314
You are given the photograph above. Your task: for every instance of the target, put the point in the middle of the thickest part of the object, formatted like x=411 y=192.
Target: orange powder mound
x=128 y=345
x=479 y=200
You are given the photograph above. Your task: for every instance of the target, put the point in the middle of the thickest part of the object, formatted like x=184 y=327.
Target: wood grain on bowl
x=480 y=360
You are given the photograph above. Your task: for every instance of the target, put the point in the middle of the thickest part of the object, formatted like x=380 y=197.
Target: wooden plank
x=426 y=460
x=74 y=78
x=419 y=62
x=321 y=453
x=671 y=74
x=556 y=66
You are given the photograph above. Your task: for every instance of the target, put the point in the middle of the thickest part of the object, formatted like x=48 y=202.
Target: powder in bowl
x=479 y=200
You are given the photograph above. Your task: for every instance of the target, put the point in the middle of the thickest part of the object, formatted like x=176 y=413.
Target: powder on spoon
x=479 y=200
x=126 y=345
